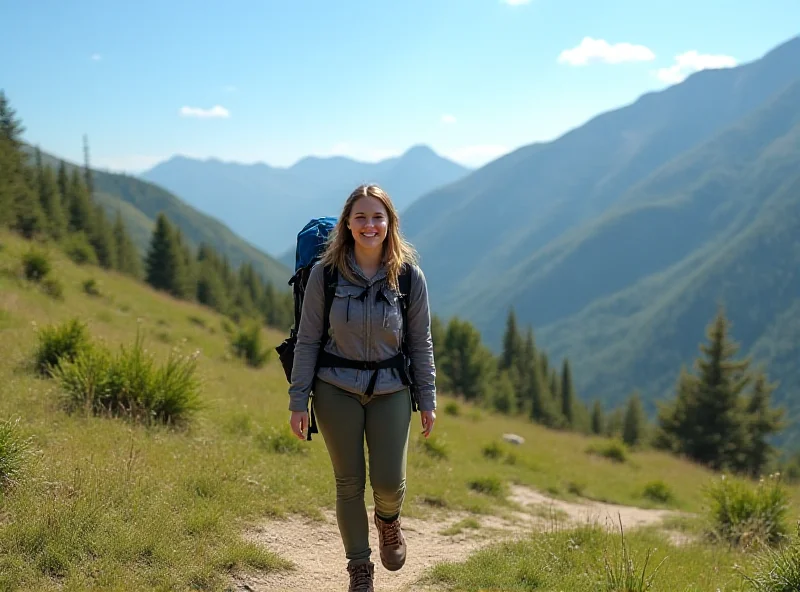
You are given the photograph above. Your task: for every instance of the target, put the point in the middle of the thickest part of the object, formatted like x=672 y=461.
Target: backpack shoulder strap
x=330 y=279
x=404 y=283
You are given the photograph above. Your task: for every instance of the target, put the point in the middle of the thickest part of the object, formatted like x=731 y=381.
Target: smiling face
x=368 y=223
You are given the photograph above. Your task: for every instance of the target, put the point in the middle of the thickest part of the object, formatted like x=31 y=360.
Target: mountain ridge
x=550 y=188
x=268 y=205
x=616 y=242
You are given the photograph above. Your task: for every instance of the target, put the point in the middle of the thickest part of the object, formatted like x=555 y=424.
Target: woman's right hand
x=299 y=423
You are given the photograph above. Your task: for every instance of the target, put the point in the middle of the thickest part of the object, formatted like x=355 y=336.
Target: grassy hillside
x=140 y=202
x=110 y=504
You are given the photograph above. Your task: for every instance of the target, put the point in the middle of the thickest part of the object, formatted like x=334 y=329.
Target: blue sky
x=275 y=81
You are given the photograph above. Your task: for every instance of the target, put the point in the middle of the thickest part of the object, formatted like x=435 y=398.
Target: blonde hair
x=396 y=250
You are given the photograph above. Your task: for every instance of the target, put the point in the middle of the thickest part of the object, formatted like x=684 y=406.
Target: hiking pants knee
x=344 y=419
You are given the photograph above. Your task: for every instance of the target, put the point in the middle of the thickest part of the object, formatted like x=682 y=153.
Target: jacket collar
x=381 y=273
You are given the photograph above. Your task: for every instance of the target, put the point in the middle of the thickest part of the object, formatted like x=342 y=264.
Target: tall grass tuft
x=742 y=514
x=777 y=570
x=621 y=571
x=131 y=384
x=60 y=342
x=15 y=452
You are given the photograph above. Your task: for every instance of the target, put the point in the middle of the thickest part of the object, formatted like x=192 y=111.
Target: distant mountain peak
x=421 y=150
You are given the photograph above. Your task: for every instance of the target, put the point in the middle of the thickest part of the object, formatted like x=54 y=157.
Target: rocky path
x=316 y=549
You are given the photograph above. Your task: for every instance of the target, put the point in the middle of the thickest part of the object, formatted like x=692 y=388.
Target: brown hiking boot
x=361 y=576
x=392 y=544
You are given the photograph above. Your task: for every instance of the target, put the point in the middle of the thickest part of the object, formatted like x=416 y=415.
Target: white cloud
x=600 y=50
x=515 y=2
x=96 y=57
x=478 y=154
x=215 y=111
x=692 y=61
x=448 y=118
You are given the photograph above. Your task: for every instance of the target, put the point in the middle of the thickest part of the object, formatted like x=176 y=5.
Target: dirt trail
x=316 y=548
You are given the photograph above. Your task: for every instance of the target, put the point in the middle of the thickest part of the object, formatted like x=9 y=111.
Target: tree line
x=522 y=380
x=208 y=278
x=721 y=415
x=59 y=206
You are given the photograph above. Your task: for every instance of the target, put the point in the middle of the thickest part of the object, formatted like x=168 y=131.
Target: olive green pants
x=344 y=420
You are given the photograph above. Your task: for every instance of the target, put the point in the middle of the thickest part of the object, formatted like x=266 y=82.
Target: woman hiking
x=353 y=403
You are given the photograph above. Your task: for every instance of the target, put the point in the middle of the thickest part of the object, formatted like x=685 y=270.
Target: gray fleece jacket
x=364 y=326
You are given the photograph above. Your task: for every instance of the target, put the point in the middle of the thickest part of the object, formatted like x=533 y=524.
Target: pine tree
x=19 y=200
x=634 y=424
x=80 y=214
x=503 y=395
x=128 y=260
x=512 y=343
x=763 y=422
x=597 y=418
x=29 y=219
x=50 y=201
x=542 y=407
x=11 y=127
x=165 y=265
x=614 y=422
x=469 y=364
x=102 y=239
x=439 y=338
x=567 y=394
x=63 y=185
x=707 y=422
x=210 y=289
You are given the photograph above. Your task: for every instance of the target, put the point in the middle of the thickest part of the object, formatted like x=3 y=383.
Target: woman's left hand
x=428 y=418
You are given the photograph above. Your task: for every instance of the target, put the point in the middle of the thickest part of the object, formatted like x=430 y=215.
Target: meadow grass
x=114 y=504
x=592 y=558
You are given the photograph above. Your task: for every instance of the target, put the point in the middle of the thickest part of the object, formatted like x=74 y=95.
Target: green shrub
x=60 y=342
x=743 y=514
x=15 y=451
x=131 y=384
x=614 y=450
x=434 y=446
x=452 y=408
x=492 y=450
x=79 y=249
x=658 y=491
x=91 y=287
x=35 y=265
x=777 y=570
x=53 y=288
x=488 y=485
x=280 y=441
x=576 y=488
x=247 y=344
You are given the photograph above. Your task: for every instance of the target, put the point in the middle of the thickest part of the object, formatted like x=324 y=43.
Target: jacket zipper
x=367 y=311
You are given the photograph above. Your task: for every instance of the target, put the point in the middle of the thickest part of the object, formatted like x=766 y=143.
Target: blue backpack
x=311 y=242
